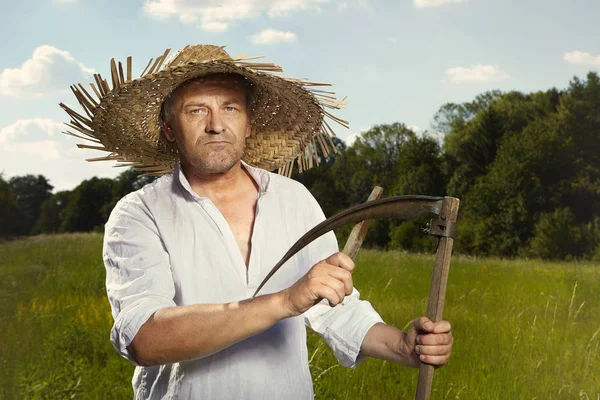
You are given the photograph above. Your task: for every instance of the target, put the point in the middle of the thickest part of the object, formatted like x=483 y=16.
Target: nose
x=214 y=125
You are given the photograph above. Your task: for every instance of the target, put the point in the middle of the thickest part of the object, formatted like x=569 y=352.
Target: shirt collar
x=260 y=176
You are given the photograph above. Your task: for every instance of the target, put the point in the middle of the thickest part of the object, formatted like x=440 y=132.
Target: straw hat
x=289 y=116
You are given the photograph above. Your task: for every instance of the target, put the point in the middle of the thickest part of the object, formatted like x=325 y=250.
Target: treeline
x=28 y=207
x=525 y=166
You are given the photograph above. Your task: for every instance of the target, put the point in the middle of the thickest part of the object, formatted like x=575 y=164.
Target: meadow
x=524 y=329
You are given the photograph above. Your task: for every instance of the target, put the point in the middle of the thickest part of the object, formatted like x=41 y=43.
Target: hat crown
x=198 y=53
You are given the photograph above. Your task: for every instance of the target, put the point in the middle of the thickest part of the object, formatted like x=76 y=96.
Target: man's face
x=210 y=124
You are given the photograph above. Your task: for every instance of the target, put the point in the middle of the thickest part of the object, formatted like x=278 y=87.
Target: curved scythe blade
x=398 y=207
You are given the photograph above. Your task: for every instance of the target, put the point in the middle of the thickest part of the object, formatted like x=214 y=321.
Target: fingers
x=435 y=339
x=341 y=260
x=434 y=350
x=334 y=296
x=329 y=279
x=434 y=360
x=343 y=276
x=424 y=324
x=336 y=272
x=442 y=327
x=434 y=355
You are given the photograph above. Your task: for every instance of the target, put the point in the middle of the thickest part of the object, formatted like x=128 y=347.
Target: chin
x=215 y=166
x=214 y=162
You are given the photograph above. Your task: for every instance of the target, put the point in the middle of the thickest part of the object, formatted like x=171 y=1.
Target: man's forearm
x=181 y=333
x=387 y=343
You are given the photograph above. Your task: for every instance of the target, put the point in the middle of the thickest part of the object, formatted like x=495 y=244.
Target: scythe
x=409 y=208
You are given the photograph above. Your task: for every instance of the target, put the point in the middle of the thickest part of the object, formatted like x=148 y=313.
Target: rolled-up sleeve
x=344 y=326
x=138 y=273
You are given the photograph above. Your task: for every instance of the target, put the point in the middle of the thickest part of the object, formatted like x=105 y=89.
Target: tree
x=452 y=116
x=557 y=236
x=8 y=210
x=419 y=168
x=472 y=144
x=83 y=212
x=30 y=192
x=579 y=124
x=372 y=160
x=52 y=213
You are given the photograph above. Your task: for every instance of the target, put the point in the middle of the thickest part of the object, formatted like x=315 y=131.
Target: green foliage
x=52 y=213
x=56 y=320
x=452 y=116
x=557 y=236
x=83 y=212
x=29 y=192
x=410 y=235
x=390 y=156
x=522 y=328
x=27 y=205
x=522 y=157
x=8 y=210
x=88 y=207
x=419 y=168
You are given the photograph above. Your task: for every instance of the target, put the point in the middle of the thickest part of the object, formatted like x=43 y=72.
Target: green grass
x=523 y=329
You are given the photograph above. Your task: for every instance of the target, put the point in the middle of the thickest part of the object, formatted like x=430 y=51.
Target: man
x=185 y=253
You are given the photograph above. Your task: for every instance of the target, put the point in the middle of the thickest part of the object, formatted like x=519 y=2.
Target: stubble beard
x=213 y=162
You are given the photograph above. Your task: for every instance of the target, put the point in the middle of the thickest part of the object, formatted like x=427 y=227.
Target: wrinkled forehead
x=215 y=83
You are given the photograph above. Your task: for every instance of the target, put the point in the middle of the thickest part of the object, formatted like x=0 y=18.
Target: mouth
x=217 y=142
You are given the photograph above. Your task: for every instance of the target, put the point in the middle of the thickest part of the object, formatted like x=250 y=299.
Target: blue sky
x=397 y=61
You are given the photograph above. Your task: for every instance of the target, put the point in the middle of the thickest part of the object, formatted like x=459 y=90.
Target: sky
x=395 y=60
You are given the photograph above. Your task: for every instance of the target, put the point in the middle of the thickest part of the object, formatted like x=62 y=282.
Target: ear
x=248 y=130
x=168 y=131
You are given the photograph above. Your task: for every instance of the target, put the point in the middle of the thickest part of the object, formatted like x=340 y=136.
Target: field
x=523 y=329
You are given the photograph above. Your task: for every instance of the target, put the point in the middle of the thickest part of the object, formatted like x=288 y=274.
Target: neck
x=215 y=186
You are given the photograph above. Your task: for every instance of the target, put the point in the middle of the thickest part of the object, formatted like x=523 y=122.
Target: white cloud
x=33 y=139
x=351 y=138
x=48 y=70
x=28 y=130
x=37 y=146
x=435 y=135
x=213 y=15
x=416 y=129
x=215 y=27
x=476 y=73
x=434 y=3
x=271 y=36
x=44 y=150
x=581 y=58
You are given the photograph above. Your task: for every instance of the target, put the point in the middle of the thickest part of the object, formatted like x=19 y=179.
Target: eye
x=230 y=109
x=197 y=111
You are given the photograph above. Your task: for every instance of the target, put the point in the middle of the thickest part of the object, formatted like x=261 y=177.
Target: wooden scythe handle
x=357 y=236
x=437 y=291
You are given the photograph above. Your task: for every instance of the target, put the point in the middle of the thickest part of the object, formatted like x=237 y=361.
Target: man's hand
x=425 y=341
x=329 y=279
x=429 y=342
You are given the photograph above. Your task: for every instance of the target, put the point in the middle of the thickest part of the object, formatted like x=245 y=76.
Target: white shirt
x=164 y=245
